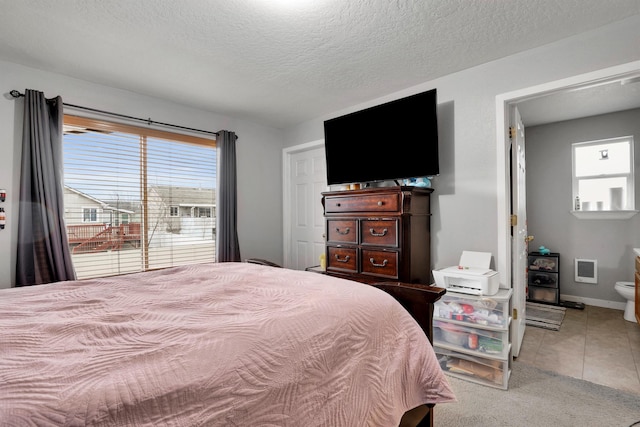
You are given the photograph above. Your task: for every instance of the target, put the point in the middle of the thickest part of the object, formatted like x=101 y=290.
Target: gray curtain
x=43 y=250
x=228 y=249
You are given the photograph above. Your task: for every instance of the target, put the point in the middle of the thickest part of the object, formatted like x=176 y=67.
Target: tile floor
x=595 y=344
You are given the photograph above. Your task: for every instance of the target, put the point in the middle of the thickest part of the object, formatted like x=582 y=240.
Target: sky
x=108 y=166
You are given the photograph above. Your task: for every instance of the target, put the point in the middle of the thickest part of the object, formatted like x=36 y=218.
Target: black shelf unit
x=543 y=278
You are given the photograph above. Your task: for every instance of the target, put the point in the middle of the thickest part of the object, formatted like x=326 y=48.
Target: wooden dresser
x=379 y=234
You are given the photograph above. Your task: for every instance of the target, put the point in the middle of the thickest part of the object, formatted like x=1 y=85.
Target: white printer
x=472 y=275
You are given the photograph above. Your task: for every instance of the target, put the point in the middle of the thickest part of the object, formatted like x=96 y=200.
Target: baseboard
x=595 y=302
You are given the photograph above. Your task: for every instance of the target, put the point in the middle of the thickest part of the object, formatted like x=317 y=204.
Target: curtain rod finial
x=15 y=94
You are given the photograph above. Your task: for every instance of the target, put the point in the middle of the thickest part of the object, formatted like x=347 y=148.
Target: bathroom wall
x=611 y=242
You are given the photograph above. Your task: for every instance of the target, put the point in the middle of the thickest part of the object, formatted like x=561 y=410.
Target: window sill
x=604 y=214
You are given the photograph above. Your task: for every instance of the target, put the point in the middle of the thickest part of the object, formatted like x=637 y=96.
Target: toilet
x=628 y=291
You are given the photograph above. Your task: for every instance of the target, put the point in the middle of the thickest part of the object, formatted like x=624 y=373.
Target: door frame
x=287 y=153
x=503 y=102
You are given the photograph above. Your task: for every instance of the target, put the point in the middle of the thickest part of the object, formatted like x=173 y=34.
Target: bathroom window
x=603 y=175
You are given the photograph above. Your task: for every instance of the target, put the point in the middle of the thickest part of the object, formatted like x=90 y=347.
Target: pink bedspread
x=230 y=344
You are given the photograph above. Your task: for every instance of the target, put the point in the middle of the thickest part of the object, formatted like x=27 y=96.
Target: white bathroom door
x=519 y=232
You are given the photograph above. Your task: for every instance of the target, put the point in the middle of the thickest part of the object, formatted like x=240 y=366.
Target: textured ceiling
x=281 y=63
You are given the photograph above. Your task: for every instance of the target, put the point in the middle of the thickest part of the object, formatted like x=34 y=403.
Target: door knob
x=529 y=238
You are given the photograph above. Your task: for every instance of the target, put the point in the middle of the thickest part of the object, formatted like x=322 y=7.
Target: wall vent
x=586 y=270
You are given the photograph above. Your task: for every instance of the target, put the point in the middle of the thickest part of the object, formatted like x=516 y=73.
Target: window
x=90 y=215
x=139 y=177
x=603 y=178
x=202 y=212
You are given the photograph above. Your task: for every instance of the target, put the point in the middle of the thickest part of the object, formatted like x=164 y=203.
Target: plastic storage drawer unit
x=471 y=336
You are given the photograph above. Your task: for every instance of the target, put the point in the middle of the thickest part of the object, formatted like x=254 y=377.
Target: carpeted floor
x=538 y=398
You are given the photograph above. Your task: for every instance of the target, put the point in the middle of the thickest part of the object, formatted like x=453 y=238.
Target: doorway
x=504 y=104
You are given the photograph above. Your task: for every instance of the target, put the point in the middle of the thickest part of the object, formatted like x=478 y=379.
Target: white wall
x=257 y=147
x=465 y=201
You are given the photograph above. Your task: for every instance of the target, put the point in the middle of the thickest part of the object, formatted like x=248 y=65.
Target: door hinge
x=515 y=314
x=514 y=220
x=512 y=132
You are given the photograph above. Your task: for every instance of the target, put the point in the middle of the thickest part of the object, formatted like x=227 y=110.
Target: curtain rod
x=16 y=94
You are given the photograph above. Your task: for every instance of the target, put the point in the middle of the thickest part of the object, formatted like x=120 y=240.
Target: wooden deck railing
x=102 y=237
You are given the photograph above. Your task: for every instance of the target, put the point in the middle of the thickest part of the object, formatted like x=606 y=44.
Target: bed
x=222 y=344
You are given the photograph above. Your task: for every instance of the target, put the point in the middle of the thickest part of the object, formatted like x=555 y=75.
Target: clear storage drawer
x=479 y=341
x=538 y=262
x=484 y=311
x=547 y=280
x=491 y=372
x=543 y=294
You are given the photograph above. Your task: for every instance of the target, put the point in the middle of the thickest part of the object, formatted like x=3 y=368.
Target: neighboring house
x=81 y=208
x=182 y=210
x=96 y=225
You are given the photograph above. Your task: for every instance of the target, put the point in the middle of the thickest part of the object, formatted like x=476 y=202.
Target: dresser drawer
x=342 y=259
x=362 y=203
x=342 y=231
x=380 y=263
x=638 y=264
x=379 y=232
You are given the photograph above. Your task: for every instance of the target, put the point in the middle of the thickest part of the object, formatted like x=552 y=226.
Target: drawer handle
x=345 y=232
x=373 y=262
x=380 y=203
x=373 y=232
x=345 y=259
x=338 y=205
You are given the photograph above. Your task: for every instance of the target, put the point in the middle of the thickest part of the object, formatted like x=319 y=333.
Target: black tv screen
x=391 y=141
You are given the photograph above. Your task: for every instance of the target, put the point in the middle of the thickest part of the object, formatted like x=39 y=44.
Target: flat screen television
x=392 y=141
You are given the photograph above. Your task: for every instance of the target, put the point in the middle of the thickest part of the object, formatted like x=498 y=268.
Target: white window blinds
x=137 y=199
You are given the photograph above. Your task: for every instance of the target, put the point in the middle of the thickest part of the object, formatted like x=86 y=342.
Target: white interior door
x=305 y=180
x=519 y=232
